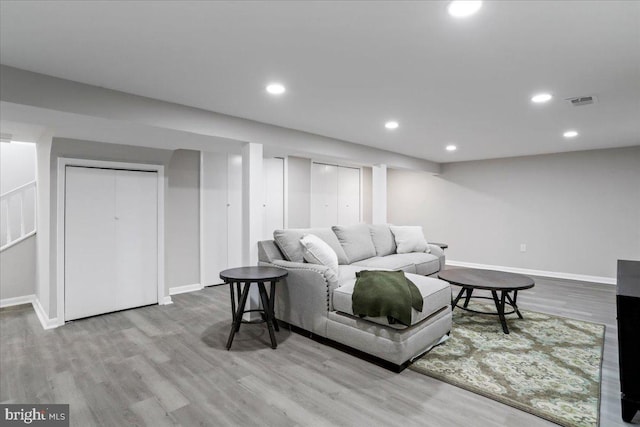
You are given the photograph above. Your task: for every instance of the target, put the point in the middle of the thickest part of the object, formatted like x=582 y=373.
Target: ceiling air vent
x=581 y=100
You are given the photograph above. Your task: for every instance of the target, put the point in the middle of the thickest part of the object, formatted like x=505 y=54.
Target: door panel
x=90 y=242
x=273 y=207
x=348 y=196
x=214 y=221
x=324 y=195
x=136 y=217
x=234 y=211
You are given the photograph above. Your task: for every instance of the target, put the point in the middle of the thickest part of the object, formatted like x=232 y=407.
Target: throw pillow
x=317 y=251
x=409 y=239
x=383 y=239
x=356 y=241
x=288 y=242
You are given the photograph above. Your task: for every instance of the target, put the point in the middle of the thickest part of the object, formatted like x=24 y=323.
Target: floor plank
x=167 y=365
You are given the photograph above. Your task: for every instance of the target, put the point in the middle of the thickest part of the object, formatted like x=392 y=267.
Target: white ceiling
x=350 y=66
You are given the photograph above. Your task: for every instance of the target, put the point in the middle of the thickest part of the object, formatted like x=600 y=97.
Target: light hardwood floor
x=167 y=365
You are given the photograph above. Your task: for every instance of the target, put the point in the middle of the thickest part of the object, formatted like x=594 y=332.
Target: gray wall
x=182 y=239
x=51 y=93
x=18 y=269
x=576 y=212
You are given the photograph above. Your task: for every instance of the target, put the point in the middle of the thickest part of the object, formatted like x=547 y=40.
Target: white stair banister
x=20 y=193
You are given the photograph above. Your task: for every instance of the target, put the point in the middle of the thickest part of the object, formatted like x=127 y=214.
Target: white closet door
x=348 y=196
x=214 y=213
x=324 y=195
x=234 y=211
x=111 y=240
x=90 y=242
x=136 y=214
x=273 y=206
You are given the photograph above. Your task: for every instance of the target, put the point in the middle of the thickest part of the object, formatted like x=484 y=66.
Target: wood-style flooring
x=167 y=365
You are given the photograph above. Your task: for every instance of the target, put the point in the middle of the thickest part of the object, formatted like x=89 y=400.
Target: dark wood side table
x=246 y=276
x=494 y=281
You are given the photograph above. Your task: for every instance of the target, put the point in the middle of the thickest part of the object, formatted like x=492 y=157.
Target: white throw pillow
x=409 y=238
x=317 y=251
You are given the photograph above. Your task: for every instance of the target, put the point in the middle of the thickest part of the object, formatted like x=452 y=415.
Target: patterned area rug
x=548 y=366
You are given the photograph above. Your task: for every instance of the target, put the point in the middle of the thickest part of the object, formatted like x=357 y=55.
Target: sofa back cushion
x=356 y=241
x=409 y=239
x=268 y=251
x=383 y=239
x=289 y=242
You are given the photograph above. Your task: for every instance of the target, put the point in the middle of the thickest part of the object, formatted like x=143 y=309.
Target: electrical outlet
x=523 y=247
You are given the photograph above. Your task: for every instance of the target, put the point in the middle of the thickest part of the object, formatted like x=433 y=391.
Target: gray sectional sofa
x=317 y=299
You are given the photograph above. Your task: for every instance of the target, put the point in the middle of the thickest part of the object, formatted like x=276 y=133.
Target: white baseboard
x=45 y=321
x=165 y=301
x=185 y=288
x=543 y=273
x=9 y=302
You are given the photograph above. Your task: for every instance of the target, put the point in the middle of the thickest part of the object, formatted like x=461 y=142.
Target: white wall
x=576 y=212
x=44 y=255
x=17 y=168
x=18 y=270
x=182 y=244
x=17 y=165
x=18 y=263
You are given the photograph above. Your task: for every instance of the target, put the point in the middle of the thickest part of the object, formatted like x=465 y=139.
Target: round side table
x=243 y=277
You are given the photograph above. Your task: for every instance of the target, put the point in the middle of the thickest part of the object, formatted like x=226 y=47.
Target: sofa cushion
x=289 y=242
x=356 y=241
x=389 y=262
x=425 y=263
x=409 y=239
x=436 y=294
x=316 y=251
x=383 y=239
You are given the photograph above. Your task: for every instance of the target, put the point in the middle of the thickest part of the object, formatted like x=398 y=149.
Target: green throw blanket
x=385 y=293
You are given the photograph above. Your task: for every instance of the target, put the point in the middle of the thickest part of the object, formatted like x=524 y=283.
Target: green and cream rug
x=548 y=366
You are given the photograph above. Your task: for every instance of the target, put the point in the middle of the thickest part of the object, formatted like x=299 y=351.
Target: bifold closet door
x=273 y=206
x=324 y=195
x=111 y=240
x=348 y=196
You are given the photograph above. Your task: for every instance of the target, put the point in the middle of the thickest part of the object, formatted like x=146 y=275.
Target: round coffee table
x=471 y=279
x=247 y=276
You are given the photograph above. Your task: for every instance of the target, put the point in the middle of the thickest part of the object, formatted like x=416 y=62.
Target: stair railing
x=13 y=201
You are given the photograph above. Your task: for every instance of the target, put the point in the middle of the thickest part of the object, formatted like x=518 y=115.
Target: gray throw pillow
x=356 y=241
x=289 y=242
x=383 y=239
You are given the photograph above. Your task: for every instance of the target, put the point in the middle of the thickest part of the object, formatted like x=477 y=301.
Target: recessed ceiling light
x=570 y=134
x=464 y=8
x=451 y=148
x=276 y=89
x=391 y=125
x=541 y=98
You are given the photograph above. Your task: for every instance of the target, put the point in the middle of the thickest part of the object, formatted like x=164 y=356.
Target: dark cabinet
x=628 y=307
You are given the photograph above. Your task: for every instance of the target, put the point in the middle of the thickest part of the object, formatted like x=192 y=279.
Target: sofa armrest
x=439 y=252
x=302 y=298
